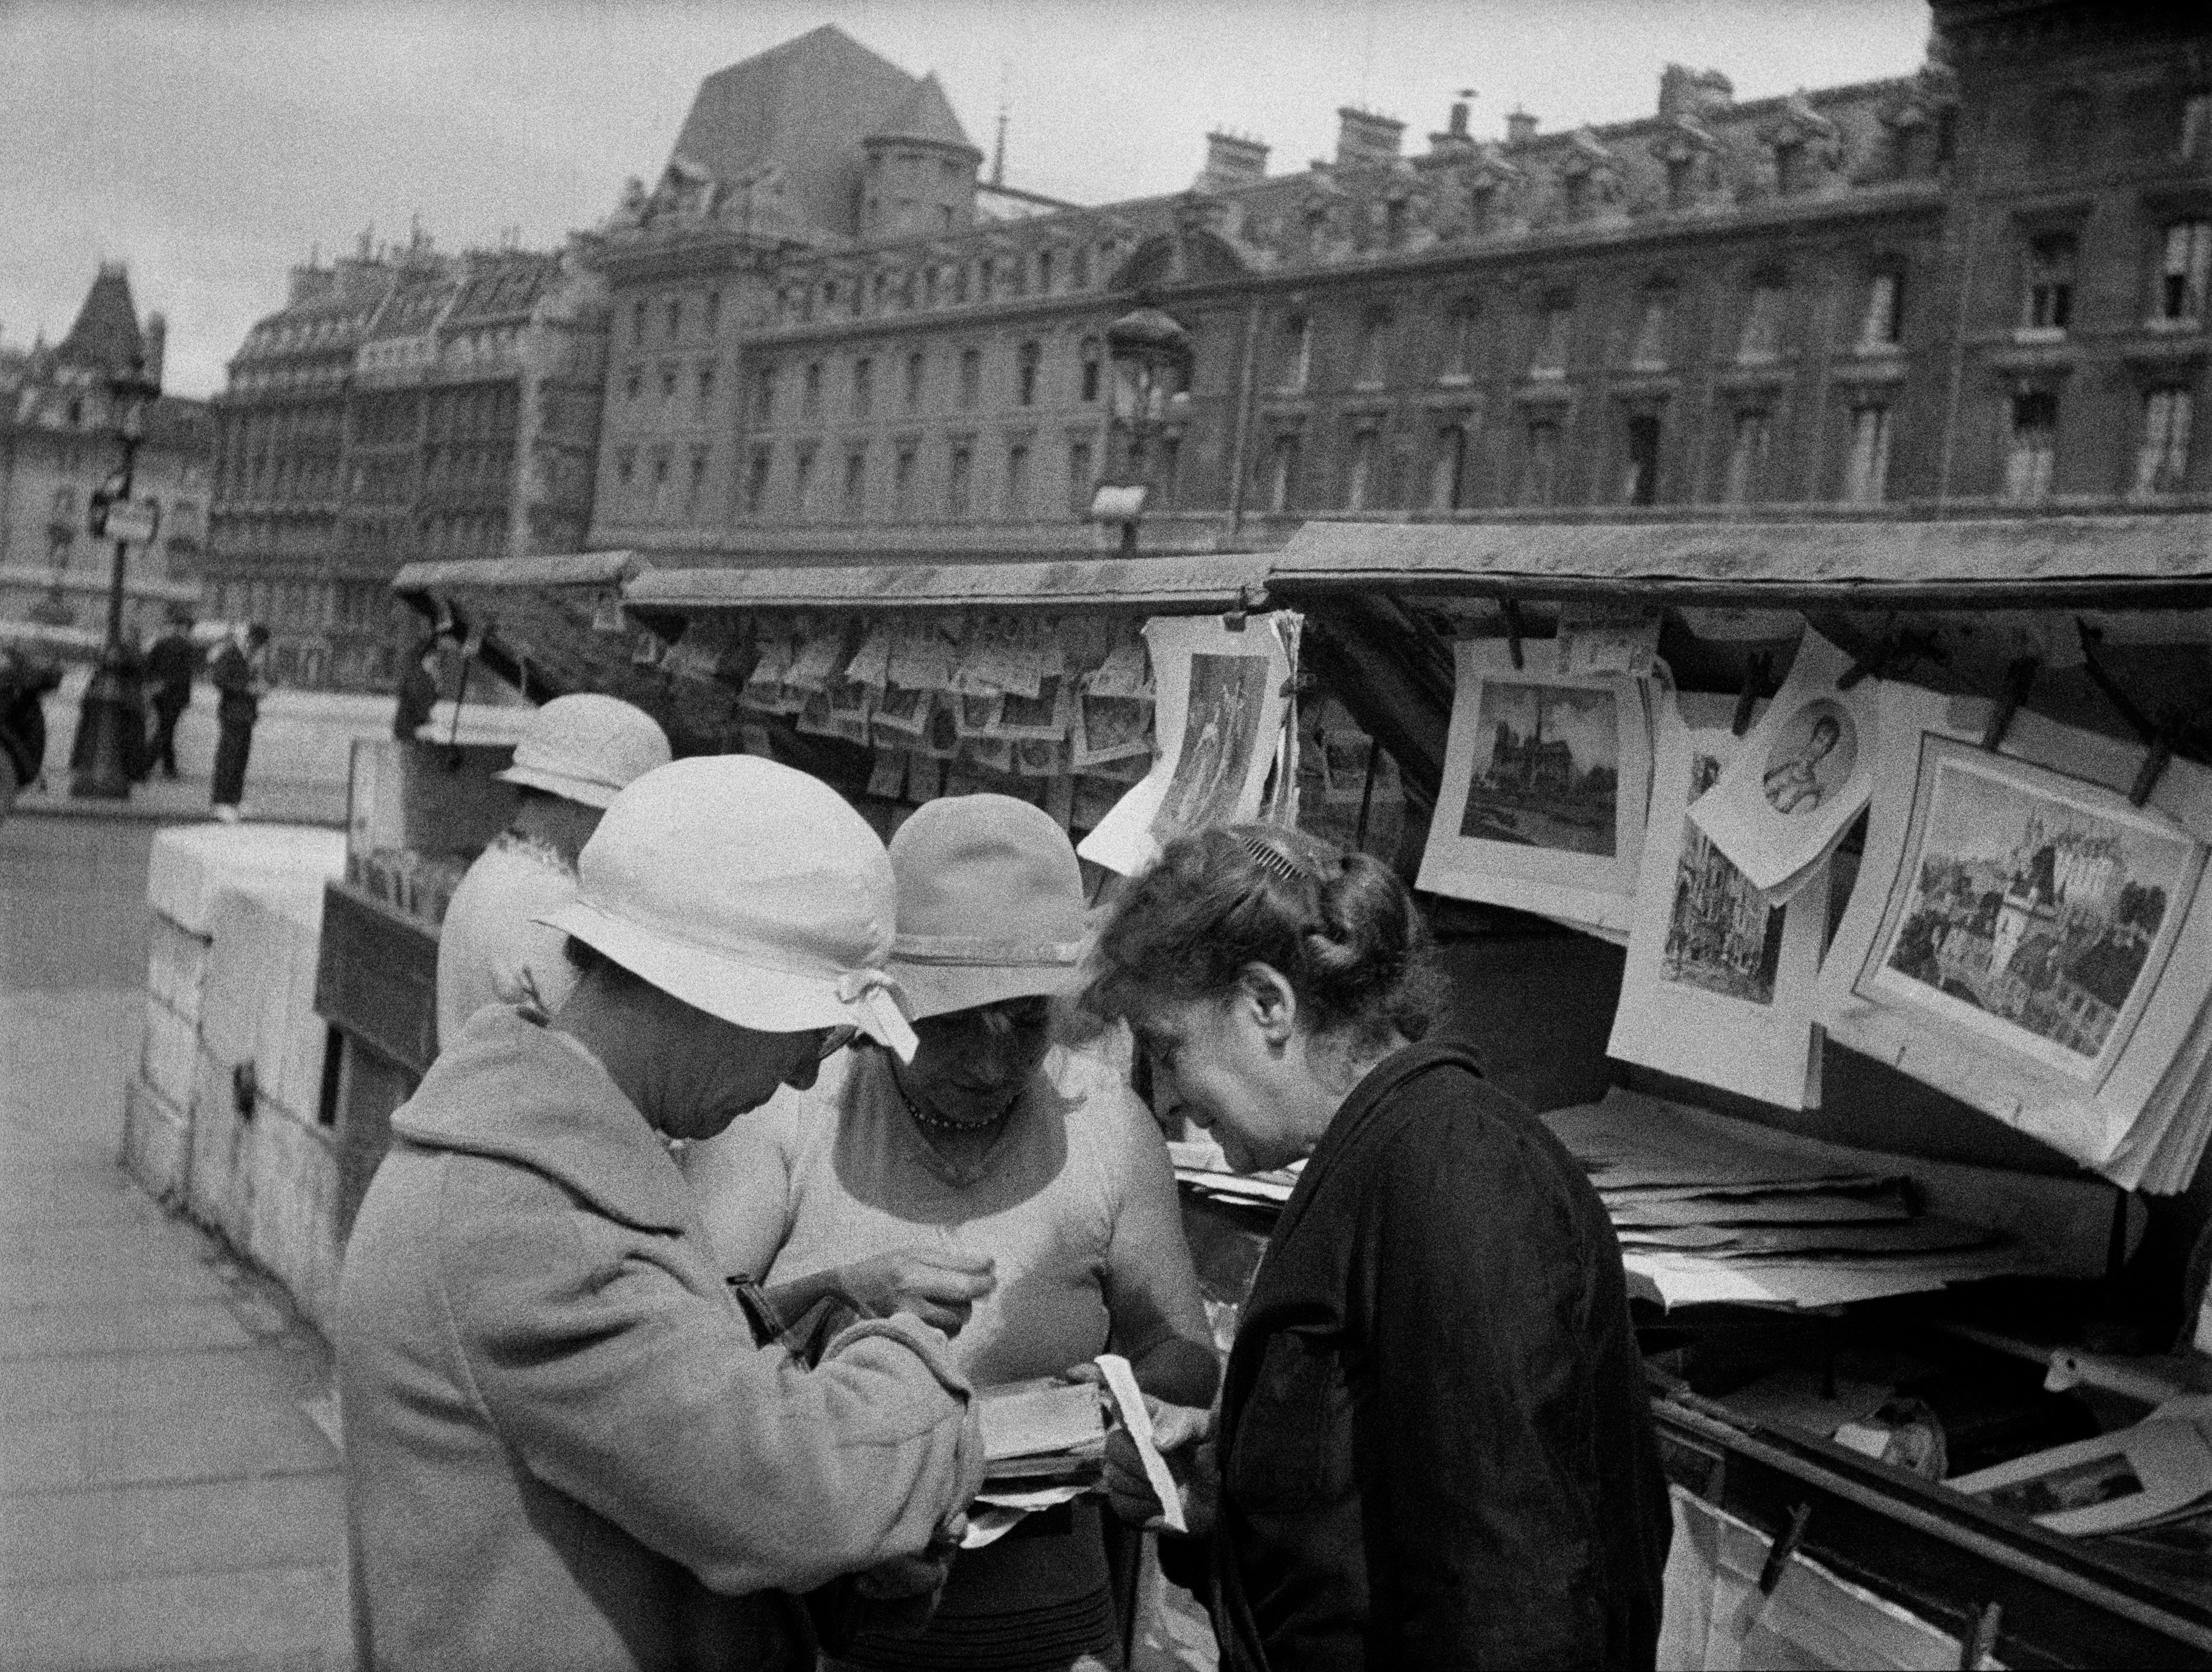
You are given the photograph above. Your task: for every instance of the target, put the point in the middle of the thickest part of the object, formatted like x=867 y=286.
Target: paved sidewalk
x=170 y=1493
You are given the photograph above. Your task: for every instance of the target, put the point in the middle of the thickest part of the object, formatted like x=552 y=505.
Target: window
x=1639 y=475
x=1552 y=328
x=2048 y=303
x=1866 y=473
x=971 y=376
x=1540 y=467
x=1448 y=469
x=714 y=312
x=2178 y=299
x=1374 y=347
x=1359 y=470
x=1882 y=326
x=1283 y=471
x=1080 y=484
x=1459 y=343
x=697 y=483
x=667 y=384
x=675 y=317
x=810 y=400
x=1760 y=341
x=757 y=481
x=1294 y=352
x=2162 y=458
x=802 y=481
x=2195 y=138
x=902 y=483
x=1654 y=329
x=1017 y=481
x=660 y=462
x=626 y=466
x=1482 y=209
x=764 y=396
x=1574 y=197
x=1789 y=168
x=1025 y=374
x=1747 y=458
x=864 y=392
x=2034 y=434
x=1681 y=174
x=1078 y=276
x=706 y=390
x=638 y=323
x=634 y=383
x=1091 y=363
x=958 y=477
x=856 y=483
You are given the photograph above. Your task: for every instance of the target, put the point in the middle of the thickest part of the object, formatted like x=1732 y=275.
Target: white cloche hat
x=749 y=890
x=586 y=748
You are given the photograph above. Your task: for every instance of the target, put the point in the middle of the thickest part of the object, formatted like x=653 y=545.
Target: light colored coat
x=562 y=1447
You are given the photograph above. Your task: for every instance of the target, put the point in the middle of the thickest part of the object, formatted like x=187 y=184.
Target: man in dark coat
x=240 y=673
x=170 y=665
x=417 y=693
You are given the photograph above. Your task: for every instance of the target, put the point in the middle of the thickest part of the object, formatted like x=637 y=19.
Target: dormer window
x=2049 y=303
x=1482 y=208
x=1789 y=168
x=1681 y=174
x=2178 y=296
x=1574 y=197
x=1044 y=272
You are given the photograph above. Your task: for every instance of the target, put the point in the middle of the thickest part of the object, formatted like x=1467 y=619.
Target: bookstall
x=1837 y=887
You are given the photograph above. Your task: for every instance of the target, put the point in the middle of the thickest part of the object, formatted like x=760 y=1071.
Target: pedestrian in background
x=1434 y=1447
x=577 y=754
x=26 y=677
x=241 y=673
x=416 y=694
x=170 y=665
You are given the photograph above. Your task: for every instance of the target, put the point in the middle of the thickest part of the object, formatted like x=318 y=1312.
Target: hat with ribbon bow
x=990 y=904
x=749 y=890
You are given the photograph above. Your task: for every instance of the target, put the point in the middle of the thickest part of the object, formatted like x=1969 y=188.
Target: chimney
x=1713 y=92
x=1232 y=160
x=1520 y=129
x=1454 y=137
x=1363 y=136
x=1675 y=93
x=156 y=337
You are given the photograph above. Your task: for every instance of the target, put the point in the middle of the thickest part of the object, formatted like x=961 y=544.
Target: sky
x=212 y=144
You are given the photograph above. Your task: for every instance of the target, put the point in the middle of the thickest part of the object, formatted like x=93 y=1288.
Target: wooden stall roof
x=574 y=568
x=2129 y=560
x=1211 y=581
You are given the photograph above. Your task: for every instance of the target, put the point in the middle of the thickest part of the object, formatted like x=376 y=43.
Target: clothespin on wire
x=1758 y=669
x=2018 y=678
x=2156 y=738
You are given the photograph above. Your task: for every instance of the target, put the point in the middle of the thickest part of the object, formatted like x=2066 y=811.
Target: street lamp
x=1151 y=354
x=109 y=718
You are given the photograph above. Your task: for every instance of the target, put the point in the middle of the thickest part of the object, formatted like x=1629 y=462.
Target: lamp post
x=1151 y=354
x=105 y=744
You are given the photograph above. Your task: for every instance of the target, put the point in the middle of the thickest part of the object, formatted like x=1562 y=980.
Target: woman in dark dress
x=1433 y=1446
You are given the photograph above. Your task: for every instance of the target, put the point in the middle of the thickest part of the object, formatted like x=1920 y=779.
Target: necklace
x=929 y=1122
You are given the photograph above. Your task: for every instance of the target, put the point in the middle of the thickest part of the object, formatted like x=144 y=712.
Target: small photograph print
x=898 y=709
x=1041 y=717
x=977 y=713
x=1546 y=768
x=1111 y=728
x=1721 y=937
x=1812 y=759
x=1221 y=729
x=2032 y=917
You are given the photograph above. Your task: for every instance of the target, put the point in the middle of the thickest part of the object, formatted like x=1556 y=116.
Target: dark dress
x=1436 y=1442
x=170 y=665
x=236 y=710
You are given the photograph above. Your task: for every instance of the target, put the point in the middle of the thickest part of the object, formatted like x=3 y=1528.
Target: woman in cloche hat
x=1011 y=1190
x=564 y=1444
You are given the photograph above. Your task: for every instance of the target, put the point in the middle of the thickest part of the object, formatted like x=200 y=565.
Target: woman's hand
x=1184 y=1435
x=938 y=1285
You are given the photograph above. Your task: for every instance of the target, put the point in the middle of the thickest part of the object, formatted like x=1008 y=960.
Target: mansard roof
x=926 y=117
x=105 y=336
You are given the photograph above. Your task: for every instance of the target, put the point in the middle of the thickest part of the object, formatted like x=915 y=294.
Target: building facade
x=404 y=404
x=1982 y=281
x=60 y=441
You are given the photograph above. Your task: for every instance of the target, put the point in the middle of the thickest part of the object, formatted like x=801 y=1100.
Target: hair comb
x=1272 y=859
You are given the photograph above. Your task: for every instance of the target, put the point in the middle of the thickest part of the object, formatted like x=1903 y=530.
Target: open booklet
x=1044 y=1444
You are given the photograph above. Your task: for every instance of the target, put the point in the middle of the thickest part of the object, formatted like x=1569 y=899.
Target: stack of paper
x=1712 y=1209
x=1200 y=1164
x=1041 y=1431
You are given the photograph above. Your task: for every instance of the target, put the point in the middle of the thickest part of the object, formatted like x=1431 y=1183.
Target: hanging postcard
x=1546 y=782
x=901 y=713
x=1221 y=697
x=764 y=689
x=1114 y=706
x=1803 y=775
x=1718 y=986
x=923 y=655
x=870 y=663
x=2024 y=939
x=1043 y=717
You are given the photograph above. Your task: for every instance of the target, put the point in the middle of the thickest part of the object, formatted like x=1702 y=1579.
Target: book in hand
x=1041 y=1431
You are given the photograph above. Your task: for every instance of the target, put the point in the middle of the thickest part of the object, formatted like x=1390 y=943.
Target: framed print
x=1546 y=782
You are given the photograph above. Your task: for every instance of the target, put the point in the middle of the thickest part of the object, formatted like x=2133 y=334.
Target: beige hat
x=749 y=890
x=586 y=747
x=990 y=904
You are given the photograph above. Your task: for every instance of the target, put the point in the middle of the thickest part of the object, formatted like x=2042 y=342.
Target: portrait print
x=1811 y=760
x=1548 y=768
x=1221 y=728
x=2032 y=910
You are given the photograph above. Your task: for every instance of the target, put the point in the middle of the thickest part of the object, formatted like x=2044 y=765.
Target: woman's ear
x=1270 y=1000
